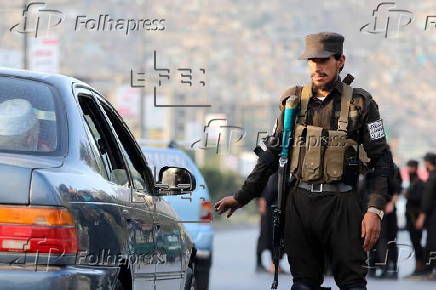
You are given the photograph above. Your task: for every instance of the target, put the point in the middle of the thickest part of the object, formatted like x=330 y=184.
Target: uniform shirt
x=270 y=191
x=414 y=192
x=429 y=196
x=365 y=128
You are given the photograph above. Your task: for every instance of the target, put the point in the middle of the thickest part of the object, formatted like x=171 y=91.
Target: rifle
x=290 y=112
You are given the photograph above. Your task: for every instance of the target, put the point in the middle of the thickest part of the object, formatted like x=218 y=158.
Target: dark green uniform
x=323 y=212
x=327 y=222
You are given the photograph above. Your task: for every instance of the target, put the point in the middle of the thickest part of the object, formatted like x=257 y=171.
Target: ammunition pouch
x=324 y=156
x=312 y=163
x=334 y=156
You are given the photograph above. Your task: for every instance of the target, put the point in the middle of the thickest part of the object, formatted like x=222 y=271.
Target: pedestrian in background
x=384 y=256
x=387 y=245
x=427 y=217
x=413 y=195
x=264 y=242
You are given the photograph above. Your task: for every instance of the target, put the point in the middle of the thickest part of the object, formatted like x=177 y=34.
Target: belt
x=333 y=187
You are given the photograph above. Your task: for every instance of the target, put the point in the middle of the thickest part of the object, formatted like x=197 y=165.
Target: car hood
x=16 y=173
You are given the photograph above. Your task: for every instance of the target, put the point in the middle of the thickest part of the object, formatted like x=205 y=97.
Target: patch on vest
x=376 y=130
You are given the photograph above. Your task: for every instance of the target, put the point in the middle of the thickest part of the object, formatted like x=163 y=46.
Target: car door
x=140 y=209
x=169 y=272
x=101 y=208
x=168 y=248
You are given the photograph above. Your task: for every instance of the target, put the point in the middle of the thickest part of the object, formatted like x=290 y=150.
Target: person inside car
x=18 y=125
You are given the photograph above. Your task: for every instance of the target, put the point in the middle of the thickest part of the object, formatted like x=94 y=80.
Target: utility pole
x=142 y=122
x=25 y=41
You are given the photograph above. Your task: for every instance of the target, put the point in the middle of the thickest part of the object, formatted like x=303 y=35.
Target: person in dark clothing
x=323 y=214
x=385 y=254
x=387 y=248
x=264 y=242
x=427 y=217
x=413 y=195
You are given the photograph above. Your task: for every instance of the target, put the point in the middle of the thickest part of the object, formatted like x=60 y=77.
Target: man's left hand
x=371 y=225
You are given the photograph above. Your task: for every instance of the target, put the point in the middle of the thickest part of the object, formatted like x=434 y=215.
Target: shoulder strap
x=347 y=93
x=306 y=94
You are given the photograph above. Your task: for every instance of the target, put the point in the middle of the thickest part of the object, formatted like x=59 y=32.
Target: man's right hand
x=419 y=224
x=228 y=203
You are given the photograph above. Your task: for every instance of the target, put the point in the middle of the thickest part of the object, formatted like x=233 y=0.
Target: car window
x=157 y=160
x=109 y=159
x=98 y=164
x=135 y=160
x=28 y=117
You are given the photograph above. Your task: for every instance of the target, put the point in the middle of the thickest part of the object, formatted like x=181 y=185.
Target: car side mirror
x=175 y=181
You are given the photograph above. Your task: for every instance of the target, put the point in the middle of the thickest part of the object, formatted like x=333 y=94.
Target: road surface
x=234 y=261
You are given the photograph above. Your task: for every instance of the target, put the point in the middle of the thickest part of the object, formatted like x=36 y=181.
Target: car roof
x=54 y=79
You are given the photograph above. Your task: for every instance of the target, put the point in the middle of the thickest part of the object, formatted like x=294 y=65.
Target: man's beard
x=327 y=86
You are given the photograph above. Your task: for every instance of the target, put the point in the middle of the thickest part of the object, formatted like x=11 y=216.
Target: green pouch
x=297 y=148
x=312 y=168
x=334 y=156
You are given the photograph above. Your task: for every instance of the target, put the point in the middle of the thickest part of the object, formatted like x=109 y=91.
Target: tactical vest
x=319 y=155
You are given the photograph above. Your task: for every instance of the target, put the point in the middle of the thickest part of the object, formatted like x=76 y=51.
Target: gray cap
x=17 y=116
x=322 y=45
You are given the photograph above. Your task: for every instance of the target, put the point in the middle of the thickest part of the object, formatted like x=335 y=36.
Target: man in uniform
x=323 y=215
x=414 y=196
x=427 y=217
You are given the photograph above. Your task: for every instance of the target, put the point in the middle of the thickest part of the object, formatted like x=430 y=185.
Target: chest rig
x=320 y=155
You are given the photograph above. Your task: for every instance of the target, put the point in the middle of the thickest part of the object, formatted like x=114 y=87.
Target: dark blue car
x=79 y=208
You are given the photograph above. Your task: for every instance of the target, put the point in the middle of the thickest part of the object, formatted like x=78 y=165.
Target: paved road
x=233 y=267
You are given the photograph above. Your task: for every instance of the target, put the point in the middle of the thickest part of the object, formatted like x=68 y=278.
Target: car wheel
x=194 y=283
x=118 y=285
x=202 y=273
x=201 y=279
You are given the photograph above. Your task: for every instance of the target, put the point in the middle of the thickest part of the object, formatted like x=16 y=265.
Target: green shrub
x=221 y=183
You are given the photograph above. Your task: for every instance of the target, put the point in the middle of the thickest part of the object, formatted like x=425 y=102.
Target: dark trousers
x=264 y=242
x=319 y=224
x=414 y=234
x=431 y=241
x=385 y=253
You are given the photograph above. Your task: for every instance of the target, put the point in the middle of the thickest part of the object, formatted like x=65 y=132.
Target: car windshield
x=27 y=116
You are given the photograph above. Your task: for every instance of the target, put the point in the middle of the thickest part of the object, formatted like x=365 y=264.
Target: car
x=195 y=210
x=79 y=206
